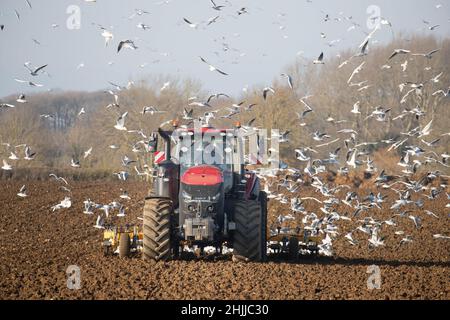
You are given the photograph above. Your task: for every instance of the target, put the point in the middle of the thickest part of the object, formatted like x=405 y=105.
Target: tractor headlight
x=186 y=195
x=210 y=208
x=217 y=196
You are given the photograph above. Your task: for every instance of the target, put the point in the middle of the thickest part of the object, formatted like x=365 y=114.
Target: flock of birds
x=284 y=184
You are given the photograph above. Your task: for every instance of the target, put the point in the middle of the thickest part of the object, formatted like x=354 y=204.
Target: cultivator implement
x=128 y=241
x=122 y=240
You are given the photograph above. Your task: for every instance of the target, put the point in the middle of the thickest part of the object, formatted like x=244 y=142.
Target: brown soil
x=37 y=246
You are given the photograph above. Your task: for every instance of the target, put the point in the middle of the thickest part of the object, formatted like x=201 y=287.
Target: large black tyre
x=157 y=229
x=124 y=245
x=249 y=239
x=293 y=248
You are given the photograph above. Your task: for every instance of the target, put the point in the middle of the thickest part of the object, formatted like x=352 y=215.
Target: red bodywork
x=202 y=176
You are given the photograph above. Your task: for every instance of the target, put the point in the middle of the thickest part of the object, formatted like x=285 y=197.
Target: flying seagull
x=266 y=90
x=30 y=83
x=6 y=105
x=99 y=223
x=216 y=7
x=187 y=115
x=319 y=60
x=363 y=51
x=52 y=175
x=108 y=36
x=21 y=98
x=242 y=11
x=120 y=123
x=87 y=153
x=355 y=109
x=142 y=26
x=432 y=28
x=356 y=71
x=428 y=55
x=138 y=12
x=212 y=20
x=6 y=166
x=397 y=52
x=152 y=110
x=34 y=72
x=216 y=96
x=126 y=44
x=13 y=156
x=23 y=192
x=192 y=25
x=66 y=203
x=212 y=68
x=74 y=163
x=28 y=154
x=289 y=80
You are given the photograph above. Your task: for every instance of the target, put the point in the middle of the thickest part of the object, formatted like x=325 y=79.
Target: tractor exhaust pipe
x=167 y=145
x=167 y=176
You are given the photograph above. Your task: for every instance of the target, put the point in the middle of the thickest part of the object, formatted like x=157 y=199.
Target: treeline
x=51 y=123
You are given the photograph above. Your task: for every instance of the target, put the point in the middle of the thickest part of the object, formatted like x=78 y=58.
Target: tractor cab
x=216 y=148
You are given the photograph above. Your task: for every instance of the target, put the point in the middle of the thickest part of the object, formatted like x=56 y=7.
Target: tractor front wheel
x=157 y=229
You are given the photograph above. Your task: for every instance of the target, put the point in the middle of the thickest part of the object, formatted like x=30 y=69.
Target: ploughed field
x=37 y=246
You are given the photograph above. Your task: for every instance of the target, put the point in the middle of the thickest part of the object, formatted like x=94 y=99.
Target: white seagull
x=87 y=153
x=66 y=203
x=6 y=166
x=192 y=25
x=23 y=192
x=99 y=223
x=319 y=60
x=120 y=123
x=126 y=44
x=213 y=68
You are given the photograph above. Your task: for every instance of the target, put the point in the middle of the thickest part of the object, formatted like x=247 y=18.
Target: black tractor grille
x=202 y=192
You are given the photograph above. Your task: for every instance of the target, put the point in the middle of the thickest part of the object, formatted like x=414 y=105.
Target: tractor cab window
x=213 y=149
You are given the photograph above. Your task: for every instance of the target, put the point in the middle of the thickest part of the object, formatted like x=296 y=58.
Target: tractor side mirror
x=153 y=142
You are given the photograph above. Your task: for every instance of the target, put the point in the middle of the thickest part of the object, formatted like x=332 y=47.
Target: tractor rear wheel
x=249 y=240
x=157 y=229
x=293 y=248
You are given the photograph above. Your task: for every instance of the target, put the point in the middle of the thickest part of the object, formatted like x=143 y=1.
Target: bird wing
x=221 y=72
x=120 y=46
x=427 y=127
x=289 y=78
x=364 y=46
x=187 y=21
x=40 y=68
x=393 y=55
x=432 y=52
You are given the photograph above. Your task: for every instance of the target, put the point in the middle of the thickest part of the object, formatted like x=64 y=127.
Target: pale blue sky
x=261 y=43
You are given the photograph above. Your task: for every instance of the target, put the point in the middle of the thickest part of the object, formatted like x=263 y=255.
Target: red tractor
x=202 y=203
